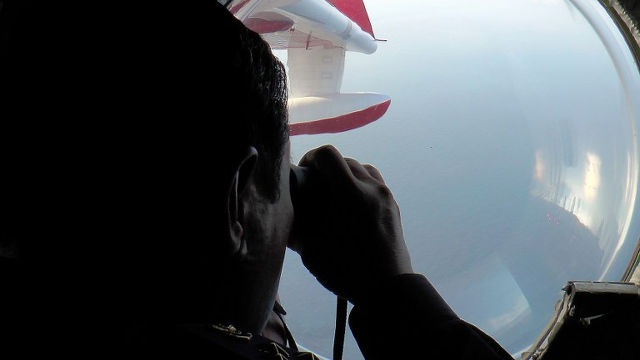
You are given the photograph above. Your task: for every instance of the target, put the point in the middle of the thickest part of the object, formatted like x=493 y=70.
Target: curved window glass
x=511 y=148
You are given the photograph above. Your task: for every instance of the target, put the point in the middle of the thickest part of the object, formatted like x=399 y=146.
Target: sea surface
x=509 y=146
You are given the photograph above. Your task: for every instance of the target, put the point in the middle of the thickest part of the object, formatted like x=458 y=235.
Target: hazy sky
x=509 y=148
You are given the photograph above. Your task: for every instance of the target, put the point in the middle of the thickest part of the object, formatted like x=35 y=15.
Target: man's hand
x=347 y=228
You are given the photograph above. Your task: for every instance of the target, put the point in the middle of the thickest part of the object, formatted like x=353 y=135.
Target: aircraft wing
x=317 y=34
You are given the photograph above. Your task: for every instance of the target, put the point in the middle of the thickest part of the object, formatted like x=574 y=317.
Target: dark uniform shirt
x=405 y=319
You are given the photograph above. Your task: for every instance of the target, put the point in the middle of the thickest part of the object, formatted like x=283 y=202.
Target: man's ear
x=242 y=177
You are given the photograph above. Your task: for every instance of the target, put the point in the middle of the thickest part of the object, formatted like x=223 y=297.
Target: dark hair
x=168 y=60
x=262 y=109
x=121 y=125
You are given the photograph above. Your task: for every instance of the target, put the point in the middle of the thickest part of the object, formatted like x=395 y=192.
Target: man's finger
x=311 y=156
x=328 y=161
x=357 y=169
x=375 y=173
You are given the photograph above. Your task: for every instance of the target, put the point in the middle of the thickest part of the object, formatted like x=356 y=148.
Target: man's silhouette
x=148 y=157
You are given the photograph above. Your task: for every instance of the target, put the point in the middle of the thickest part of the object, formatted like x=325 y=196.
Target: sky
x=509 y=148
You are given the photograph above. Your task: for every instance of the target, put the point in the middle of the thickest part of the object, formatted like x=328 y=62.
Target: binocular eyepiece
x=300 y=187
x=298 y=184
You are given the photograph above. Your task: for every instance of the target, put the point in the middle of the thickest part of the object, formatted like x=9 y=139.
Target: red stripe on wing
x=340 y=123
x=262 y=26
x=355 y=10
x=236 y=8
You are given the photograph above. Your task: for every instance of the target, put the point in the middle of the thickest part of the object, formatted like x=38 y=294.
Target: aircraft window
x=510 y=146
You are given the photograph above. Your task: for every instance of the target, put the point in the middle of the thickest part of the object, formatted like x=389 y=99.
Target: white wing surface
x=317 y=34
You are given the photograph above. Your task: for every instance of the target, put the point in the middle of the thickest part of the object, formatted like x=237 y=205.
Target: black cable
x=341 y=328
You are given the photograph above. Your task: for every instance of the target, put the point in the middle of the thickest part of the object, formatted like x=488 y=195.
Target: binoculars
x=298 y=183
x=301 y=188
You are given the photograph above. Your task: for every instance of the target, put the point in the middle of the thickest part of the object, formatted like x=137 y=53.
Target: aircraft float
x=316 y=35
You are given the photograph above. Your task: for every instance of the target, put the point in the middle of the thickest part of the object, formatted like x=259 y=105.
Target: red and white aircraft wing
x=316 y=34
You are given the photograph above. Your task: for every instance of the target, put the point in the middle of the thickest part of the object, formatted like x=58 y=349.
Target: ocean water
x=509 y=147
